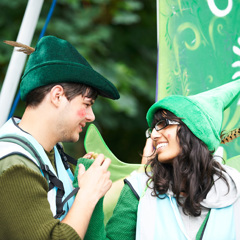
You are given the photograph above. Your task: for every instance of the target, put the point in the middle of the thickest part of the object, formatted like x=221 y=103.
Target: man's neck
x=39 y=127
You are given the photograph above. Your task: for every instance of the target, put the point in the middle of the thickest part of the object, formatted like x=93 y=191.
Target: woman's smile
x=166 y=143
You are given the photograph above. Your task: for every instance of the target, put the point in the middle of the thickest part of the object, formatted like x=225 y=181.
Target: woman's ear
x=56 y=95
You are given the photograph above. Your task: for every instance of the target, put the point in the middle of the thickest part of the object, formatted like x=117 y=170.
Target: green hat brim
x=64 y=72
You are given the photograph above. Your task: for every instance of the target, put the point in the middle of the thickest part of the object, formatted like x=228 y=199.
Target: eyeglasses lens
x=160 y=125
x=148 y=133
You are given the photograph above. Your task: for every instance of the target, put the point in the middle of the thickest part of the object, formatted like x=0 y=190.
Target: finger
x=109 y=184
x=81 y=170
x=149 y=142
x=149 y=148
x=108 y=174
x=88 y=155
x=106 y=163
x=99 y=160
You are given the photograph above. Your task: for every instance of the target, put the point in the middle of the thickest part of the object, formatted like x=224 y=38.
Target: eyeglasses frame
x=167 y=121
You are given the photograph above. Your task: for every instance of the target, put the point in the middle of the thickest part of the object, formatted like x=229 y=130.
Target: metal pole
x=17 y=61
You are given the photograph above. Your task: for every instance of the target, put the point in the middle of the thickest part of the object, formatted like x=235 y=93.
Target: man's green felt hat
x=57 y=61
x=202 y=113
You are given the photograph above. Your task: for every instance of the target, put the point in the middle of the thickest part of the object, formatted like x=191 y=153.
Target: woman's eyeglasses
x=159 y=126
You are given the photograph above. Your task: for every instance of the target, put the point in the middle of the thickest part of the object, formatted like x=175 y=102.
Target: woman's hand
x=147 y=151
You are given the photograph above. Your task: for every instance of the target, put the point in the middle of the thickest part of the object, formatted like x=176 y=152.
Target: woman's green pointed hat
x=202 y=113
x=57 y=61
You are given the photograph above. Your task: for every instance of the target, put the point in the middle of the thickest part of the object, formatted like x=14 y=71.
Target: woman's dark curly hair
x=191 y=171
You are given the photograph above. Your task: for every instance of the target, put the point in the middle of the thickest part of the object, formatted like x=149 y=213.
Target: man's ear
x=56 y=95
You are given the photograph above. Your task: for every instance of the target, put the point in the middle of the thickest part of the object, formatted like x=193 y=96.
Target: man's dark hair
x=71 y=90
x=191 y=171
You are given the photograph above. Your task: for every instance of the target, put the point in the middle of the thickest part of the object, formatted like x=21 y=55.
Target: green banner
x=199 y=49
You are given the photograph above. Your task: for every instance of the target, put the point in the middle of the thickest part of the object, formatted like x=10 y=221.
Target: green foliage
x=119 y=39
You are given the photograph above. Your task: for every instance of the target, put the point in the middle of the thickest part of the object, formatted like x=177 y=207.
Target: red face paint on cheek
x=81 y=113
x=169 y=136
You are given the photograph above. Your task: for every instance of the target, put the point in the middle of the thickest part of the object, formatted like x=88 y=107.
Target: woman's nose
x=156 y=134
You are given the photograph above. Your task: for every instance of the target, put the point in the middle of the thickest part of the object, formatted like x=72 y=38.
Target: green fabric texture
x=12 y=160
x=202 y=113
x=122 y=225
x=234 y=162
x=25 y=211
x=201 y=229
x=57 y=61
x=94 y=142
x=87 y=163
x=119 y=170
x=111 y=196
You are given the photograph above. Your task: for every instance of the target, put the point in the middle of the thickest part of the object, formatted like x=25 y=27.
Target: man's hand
x=93 y=183
x=90 y=155
x=96 y=180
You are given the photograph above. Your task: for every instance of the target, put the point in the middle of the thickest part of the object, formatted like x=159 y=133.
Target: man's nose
x=90 y=117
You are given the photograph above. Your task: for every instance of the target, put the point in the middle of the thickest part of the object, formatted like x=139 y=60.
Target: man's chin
x=72 y=140
x=75 y=140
